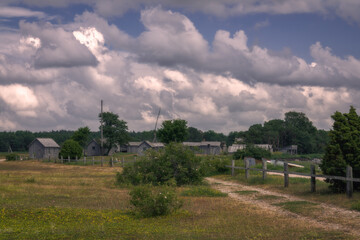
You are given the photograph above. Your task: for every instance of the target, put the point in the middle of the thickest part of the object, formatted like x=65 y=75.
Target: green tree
x=274 y=133
x=343 y=149
x=173 y=131
x=211 y=135
x=81 y=136
x=255 y=134
x=300 y=131
x=71 y=149
x=114 y=129
x=194 y=135
x=252 y=151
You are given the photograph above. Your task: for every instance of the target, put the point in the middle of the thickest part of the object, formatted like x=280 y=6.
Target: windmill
x=154 y=140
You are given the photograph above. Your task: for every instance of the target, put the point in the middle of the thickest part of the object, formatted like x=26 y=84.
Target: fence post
x=232 y=167
x=69 y=159
x=55 y=158
x=134 y=158
x=62 y=159
x=93 y=160
x=313 y=178
x=76 y=159
x=247 y=171
x=286 y=175
x=102 y=161
x=112 y=162
x=122 y=161
x=264 y=168
x=349 y=181
x=84 y=161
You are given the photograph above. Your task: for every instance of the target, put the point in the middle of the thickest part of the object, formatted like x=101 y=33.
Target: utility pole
x=101 y=130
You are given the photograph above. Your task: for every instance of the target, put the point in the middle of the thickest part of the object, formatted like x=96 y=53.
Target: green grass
x=279 y=155
x=202 y=191
x=82 y=202
x=298 y=207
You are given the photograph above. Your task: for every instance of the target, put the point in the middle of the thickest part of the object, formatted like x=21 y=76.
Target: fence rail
x=349 y=174
x=91 y=161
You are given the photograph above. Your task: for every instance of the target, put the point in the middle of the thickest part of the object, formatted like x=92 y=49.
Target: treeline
x=19 y=141
x=295 y=129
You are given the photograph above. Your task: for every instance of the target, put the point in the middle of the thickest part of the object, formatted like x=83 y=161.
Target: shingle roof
x=47 y=142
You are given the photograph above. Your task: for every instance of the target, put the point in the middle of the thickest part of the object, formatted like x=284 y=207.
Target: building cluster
x=47 y=148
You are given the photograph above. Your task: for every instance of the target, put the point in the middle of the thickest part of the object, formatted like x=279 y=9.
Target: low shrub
x=154 y=201
x=12 y=157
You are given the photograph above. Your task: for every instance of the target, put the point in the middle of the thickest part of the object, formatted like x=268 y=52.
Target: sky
x=222 y=65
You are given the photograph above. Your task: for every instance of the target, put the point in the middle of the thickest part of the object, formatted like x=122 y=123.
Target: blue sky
x=221 y=65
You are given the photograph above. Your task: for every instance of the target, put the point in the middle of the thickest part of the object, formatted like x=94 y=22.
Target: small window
x=93 y=148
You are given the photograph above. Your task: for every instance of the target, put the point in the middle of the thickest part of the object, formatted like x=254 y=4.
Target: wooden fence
x=92 y=161
x=349 y=174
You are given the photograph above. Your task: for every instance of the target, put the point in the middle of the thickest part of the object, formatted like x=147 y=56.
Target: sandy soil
x=325 y=216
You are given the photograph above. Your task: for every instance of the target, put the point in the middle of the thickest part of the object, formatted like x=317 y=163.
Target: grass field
x=40 y=200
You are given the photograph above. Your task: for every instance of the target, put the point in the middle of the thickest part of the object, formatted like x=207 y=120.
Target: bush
x=176 y=163
x=215 y=165
x=71 y=149
x=12 y=157
x=154 y=201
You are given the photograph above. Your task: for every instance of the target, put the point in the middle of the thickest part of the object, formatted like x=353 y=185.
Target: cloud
x=59 y=48
x=20 y=99
x=54 y=76
x=11 y=12
x=261 y=24
x=170 y=38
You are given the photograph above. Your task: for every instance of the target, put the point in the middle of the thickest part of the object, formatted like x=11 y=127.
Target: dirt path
x=321 y=215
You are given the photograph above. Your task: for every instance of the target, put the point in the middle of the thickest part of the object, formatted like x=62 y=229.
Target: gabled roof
x=134 y=144
x=202 y=144
x=47 y=142
x=153 y=145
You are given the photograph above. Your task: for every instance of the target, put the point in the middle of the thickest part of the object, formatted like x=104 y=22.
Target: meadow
x=46 y=200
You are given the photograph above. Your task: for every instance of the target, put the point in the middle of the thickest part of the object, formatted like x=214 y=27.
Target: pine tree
x=343 y=149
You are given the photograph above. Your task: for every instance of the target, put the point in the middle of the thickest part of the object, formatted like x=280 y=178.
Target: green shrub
x=174 y=164
x=215 y=165
x=154 y=201
x=71 y=149
x=202 y=191
x=12 y=157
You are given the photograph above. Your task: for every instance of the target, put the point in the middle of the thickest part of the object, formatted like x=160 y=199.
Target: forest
x=295 y=129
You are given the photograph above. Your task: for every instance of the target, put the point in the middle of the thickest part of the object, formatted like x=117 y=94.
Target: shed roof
x=47 y=142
